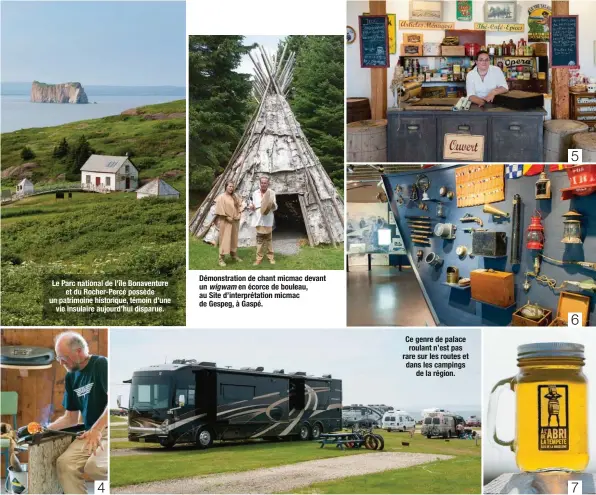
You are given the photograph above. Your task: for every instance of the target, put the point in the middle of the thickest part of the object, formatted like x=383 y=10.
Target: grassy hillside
x=96 y=236
x=155 y=142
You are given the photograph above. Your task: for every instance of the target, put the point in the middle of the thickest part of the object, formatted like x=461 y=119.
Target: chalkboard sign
x=374 y=41
x=563 y=41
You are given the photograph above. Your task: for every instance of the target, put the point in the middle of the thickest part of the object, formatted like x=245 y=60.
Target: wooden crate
x=453 y=51
x=411 y=49
x=583 y=107
x=413 y=38
x=521 y=321
x=571 y=302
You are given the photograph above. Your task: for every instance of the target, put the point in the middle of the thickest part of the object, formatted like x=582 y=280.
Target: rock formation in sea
x=71 y=92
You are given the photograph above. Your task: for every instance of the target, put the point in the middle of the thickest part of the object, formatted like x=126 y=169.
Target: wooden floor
x=385 y=297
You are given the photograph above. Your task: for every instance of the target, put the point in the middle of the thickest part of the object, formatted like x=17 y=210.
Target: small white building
x=25 y=187
x=110 y=173
x=157 y=188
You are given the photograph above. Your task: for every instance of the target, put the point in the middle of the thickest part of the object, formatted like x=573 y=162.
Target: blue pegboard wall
x=455 y=307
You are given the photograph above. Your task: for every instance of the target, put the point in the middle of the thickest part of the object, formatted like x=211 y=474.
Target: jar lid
x=551 y=349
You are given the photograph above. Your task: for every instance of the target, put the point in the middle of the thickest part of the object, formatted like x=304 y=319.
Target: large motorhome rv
x=360 y=415
x=397 y=420
x=190 y=402
x=441 y=424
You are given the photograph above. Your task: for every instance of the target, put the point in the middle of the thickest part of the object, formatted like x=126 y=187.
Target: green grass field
x=459 y=475
x=203 y=256
x=96 y=236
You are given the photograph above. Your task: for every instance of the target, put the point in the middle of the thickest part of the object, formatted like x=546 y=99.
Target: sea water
x=20 y=113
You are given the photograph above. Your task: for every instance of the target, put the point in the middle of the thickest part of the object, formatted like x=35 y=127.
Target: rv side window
x=237 y=392
x=436 y=421
x=189 y=394
x=391 y=418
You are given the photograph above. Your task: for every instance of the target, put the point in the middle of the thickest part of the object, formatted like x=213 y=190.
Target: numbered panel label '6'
x=551 y=423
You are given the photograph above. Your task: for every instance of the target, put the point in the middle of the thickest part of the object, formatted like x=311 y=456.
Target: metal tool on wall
x=452 y=275
x=468 y=217
x=445 y=230
x=423 y=183
x=433 y=259
x=440 y=210
x=516 y=231
x=495 y=212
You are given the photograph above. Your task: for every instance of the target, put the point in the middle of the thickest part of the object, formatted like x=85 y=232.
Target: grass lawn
x=460 y=475
x=203 y=256
x=184 y=462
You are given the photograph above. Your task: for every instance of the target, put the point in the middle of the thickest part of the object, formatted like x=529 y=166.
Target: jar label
x=553 y=414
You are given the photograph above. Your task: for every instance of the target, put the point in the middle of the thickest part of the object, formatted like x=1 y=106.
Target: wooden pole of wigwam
x=378 y=76
x=560 y=84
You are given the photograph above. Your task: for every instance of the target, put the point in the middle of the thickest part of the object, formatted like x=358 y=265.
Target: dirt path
x=286 y=478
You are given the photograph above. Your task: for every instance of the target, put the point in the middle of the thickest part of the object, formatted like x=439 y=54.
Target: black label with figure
x=553 y=417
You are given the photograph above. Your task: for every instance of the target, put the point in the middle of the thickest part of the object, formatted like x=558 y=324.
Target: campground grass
x=203 y=256
x=459 y=475
x=96 y=236
x=184 y=461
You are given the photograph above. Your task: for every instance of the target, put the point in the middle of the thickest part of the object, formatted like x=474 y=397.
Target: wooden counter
x=415 y=134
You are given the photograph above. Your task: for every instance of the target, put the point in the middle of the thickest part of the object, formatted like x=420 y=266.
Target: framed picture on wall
x=350 y=35
x=426 y=10
x=500 y=11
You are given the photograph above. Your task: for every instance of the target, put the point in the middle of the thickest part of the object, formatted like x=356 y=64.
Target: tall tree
x=218 y=106
x=79 y=154
x=317 y=98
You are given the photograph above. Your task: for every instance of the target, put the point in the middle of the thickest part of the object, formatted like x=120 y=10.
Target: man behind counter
x=485 y=81
x=86 y=392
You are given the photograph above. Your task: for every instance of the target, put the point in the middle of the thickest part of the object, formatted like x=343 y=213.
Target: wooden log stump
x=367 y=141
x=557 y=138
x=587 y=142
x=43 y=476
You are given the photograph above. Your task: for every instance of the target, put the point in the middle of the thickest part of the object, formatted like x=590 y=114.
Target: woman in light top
x=227 y=211
x=485 y=81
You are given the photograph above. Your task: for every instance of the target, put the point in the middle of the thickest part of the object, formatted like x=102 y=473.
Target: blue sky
x=138 y=43
x=367 y=360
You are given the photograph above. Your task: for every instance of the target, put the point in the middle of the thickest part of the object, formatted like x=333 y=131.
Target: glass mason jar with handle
x=551 y=425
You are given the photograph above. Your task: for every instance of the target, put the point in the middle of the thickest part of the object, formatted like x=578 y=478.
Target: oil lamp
x=543 y=187
x=572 y=233
x=535 y=235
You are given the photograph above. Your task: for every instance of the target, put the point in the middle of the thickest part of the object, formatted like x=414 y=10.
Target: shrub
x=27 y=153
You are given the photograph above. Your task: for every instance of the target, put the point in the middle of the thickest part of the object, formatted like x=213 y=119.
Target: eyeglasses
x=484 y=60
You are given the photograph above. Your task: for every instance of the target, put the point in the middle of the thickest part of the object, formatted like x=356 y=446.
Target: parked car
x=473 y=421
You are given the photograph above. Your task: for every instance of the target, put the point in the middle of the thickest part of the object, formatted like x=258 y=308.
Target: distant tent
x=274 y=146
x=157 y=188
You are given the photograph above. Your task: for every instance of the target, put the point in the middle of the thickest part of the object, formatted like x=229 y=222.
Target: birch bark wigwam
x=273 y=145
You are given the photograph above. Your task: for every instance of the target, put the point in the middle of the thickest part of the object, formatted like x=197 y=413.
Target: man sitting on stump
x=263 y=205
x=85 y=394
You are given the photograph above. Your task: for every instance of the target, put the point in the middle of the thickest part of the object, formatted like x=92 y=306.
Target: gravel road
x=286 y=478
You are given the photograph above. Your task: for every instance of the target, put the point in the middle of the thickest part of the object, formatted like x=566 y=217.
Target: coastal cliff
x=58 y=93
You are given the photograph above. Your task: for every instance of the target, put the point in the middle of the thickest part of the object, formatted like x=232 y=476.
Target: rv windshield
x=427 y=421
x=151 y=392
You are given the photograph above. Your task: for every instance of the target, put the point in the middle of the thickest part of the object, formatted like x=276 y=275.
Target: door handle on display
x=413 y=127
x=463 y=128
x=515 y=127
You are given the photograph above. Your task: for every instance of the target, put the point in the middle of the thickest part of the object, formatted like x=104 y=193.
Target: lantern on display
x=535 y=235
x=543 y=187
x=572 y=233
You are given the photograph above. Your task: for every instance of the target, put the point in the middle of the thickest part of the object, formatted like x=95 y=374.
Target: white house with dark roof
x=110 y=173
x=25 y=187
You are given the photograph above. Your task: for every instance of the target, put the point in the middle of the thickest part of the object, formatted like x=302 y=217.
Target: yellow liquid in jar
x=568 y=401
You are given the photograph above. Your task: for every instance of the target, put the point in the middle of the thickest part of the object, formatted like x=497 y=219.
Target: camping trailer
x=191 y=402
x=397 y=420
x=441 y=424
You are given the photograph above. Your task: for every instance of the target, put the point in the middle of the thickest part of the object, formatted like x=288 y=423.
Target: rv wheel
x=204 y=438
x=316 y=431
x=304 y=432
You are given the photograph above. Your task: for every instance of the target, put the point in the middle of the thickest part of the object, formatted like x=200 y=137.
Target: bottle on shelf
x=512 y=50
x=505 y=48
